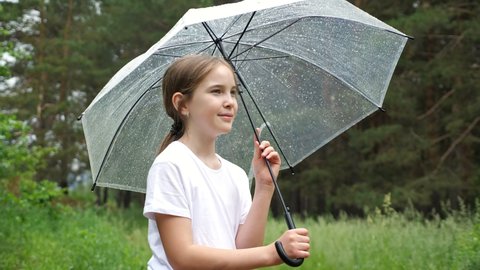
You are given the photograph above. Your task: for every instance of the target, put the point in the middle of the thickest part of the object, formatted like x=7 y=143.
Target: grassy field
x=63 y=237
x=388 y=243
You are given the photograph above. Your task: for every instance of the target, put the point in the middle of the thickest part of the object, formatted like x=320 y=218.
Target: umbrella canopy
x=311 y=70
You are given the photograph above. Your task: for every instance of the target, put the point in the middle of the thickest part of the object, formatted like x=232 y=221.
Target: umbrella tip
x=382 y=109
x=93 y=186
x=80 y=116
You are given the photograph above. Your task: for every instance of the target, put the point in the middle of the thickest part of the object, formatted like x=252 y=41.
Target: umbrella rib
x=245 y=59
x=267 y=38
x=206 y=48
x=213 y=37
x=167 y=55
x=331 y=17
x=267 y=25
x=182 y=45
x=122 y=123
x=264 y=58
x=243 y=33
x=210 y=33
x=231 y=25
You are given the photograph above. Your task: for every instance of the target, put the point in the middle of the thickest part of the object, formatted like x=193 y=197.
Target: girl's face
x=213 y=105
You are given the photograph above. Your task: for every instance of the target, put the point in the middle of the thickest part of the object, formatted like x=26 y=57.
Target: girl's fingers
x=301 y=239
x=267 y=151
x=301 y=231
x=264 y=145
x=272 y=155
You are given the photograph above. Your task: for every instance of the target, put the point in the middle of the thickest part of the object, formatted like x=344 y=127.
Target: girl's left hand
x=260 y=169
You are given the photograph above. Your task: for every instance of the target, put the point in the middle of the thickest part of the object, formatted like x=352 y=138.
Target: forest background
x=424 y=150
x=400 y=190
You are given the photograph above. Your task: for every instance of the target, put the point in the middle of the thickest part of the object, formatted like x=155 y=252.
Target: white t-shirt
x=216 y=201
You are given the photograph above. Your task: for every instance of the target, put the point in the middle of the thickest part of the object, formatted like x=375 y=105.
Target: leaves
x=19 y=156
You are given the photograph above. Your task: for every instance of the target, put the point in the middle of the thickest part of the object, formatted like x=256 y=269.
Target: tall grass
x=394 y=244
x=390 y=240
x=38 y=233
x=85 y=237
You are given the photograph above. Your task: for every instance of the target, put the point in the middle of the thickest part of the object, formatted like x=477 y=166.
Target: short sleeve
x=166 y=192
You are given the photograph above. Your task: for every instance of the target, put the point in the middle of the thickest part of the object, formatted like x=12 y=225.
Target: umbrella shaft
x=286 y=209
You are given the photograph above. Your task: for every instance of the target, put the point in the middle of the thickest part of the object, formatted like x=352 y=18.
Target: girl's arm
x=252 y=232
x=176 y=235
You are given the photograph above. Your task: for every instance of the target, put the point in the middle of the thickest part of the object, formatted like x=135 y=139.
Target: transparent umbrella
x=309 y=70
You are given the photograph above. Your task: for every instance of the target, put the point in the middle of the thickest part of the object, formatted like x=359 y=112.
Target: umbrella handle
x=279 y=247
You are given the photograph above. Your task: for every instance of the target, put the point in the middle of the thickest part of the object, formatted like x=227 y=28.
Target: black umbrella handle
x=281 y=251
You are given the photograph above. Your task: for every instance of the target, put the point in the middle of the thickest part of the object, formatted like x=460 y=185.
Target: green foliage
x=388 y=239
x=19 y=156
x=63 y=237
x=468 y=252
x=35 y=237
x=7 y=47
x=8 y=44
x=39 y=193
x=39 y=229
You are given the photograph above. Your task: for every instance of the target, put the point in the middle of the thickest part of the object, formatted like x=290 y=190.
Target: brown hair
x=183 y=76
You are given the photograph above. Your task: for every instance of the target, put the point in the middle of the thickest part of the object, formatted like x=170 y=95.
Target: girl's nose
x=229 y=100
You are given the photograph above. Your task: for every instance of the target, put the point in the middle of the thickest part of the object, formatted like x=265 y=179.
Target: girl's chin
x=224 y=131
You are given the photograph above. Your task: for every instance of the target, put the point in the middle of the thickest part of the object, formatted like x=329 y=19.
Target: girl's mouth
x=226 y=116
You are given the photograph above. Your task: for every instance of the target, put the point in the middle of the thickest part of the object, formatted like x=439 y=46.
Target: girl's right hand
x=296 y=243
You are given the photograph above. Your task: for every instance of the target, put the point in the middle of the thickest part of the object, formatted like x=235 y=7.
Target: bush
x=38 y=231
x=37 y=237
x=19 y=156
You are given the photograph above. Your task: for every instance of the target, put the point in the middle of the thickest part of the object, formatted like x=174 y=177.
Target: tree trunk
x=102 y=199
x=65 y=136
x=43 y=76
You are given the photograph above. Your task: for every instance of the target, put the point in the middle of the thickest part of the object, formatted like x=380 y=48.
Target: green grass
x=68 y=238
x=392 y=243
x=43 y=236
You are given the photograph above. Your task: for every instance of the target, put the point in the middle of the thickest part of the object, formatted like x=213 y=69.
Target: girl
x=199 y=207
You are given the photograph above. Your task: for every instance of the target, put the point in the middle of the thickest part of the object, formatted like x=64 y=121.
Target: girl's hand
x=296 y=243
x=260 y=170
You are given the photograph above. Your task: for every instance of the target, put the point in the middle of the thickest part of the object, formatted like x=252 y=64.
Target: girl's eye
x=216 y=91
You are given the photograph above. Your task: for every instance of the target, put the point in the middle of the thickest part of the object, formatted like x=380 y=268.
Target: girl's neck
x=203 y=148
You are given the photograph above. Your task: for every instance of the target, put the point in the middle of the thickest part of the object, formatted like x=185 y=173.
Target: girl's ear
x=179 y=103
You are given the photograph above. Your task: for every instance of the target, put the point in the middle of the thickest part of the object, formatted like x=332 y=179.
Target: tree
x=19 y=156
x=49 y=91
x=425 y=148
